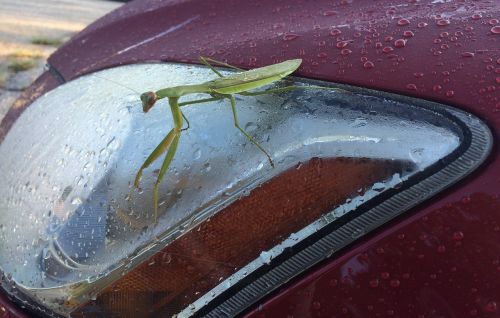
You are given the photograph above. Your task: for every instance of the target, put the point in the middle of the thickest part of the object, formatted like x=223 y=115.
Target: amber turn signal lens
x=199 y=260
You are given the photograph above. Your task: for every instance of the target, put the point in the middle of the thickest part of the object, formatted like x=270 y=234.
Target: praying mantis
x=220 y=88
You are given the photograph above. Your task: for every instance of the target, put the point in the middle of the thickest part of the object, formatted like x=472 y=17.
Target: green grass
x=23 y=60
x=25 y=53
x=20 y=65
x=46 y=41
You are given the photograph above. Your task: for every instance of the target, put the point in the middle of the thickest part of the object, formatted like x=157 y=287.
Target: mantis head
x=148 y=100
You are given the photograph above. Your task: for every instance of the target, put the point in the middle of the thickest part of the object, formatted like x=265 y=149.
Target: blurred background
x=30 y=30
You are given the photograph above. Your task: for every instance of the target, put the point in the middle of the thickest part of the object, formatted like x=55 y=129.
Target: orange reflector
x=199 y=260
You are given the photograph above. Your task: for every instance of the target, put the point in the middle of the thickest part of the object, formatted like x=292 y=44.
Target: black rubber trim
x=55 y=72
x=476 y=144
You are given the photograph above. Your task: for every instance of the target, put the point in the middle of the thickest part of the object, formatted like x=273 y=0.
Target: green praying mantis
x=220 y=88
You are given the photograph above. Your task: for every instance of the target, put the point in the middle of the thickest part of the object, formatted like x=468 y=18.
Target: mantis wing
x=255 y=78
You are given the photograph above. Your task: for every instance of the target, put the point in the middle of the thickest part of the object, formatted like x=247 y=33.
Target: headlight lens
x=78 y=238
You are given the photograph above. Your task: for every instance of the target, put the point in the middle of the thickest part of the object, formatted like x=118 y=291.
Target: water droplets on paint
x=402 y=22
x=387 y=49
x=411 y=87
x=368 y=65
x=408 y=34
x=335 y=32
x=443 y=22
x=400 y=43
x=290 y=36
x=476 y=16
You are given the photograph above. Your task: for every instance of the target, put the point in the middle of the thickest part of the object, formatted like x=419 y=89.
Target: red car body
x=442 y=258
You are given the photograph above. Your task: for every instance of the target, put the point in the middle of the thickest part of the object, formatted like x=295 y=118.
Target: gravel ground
x=30 y=30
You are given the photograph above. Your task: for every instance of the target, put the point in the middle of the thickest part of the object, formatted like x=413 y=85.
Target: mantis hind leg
x=207 y=60
x=237 y=124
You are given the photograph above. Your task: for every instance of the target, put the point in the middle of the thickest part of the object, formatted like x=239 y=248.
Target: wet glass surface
x=70 y=215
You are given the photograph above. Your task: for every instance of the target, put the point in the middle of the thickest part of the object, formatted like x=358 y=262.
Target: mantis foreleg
x=164 y=167
x=161 y=148
x=237 y=124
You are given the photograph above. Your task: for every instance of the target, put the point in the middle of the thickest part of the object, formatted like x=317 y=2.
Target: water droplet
x=316 y=305
x=495 y=29
x=329 y=13
x=400 y=43
x=251 y=126
x=290 y=36
x=402 y=22
x=411 y=87
x=387 y=49
x=207 y=167
x=345 y=52
x=76 y=201
x=197 y=154
x=493 y=22
x=443 y=22
x=385 y=275
x=467 y=54
x=408 y=34
x=443 y=34
x=368 y=65
x=335 y=32
x=374 y=283
x=342 y=44
x=441 y=249
x=476 y=16
x=266 y=257
x=437 y=88
x=491 y=306
x=450 y=93
x=322 y=55
x=395 y=283
x=458 y=236
x=333 y=283
x=422 y=24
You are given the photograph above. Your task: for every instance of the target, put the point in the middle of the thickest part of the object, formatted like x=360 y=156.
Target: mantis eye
x=148 y=100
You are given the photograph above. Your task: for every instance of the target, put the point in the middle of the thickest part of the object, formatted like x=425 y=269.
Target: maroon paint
x=9 y=310
x=443 y=258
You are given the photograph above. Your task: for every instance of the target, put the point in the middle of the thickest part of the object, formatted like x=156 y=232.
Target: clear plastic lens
x=71 y=221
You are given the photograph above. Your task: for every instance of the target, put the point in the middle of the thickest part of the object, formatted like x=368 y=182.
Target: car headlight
x=77 y=238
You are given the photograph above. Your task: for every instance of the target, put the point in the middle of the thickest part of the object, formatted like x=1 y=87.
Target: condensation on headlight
x=71 y=221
